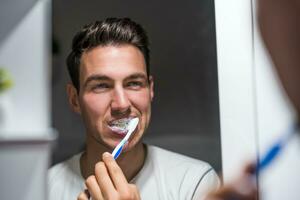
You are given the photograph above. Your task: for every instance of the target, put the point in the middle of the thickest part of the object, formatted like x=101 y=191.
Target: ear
x=73 y=98
x=151 y=84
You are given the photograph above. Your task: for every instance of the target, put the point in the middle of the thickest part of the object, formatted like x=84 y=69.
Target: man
x=111 y=82
x=280 y=29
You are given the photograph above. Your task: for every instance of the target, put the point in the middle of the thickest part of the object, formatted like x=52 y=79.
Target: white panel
x=25 y=53
x=25 y=136
x=236 y=84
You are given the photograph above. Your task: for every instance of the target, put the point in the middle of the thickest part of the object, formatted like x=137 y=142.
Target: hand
x=109 y=183
x=244 y=188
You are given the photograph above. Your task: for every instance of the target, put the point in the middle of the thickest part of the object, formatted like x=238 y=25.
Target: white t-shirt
x=165 y=176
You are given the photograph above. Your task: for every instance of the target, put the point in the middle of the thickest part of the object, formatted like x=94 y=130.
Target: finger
x=134 y=190
x=117 y=176
x=83 y=196
x=231 y=192
x=93 y=188
x=250 y=168
x=102 y=176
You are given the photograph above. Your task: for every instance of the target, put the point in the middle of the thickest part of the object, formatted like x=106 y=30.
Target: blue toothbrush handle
x=277 y=148
x=118 y=152
x=273 y=152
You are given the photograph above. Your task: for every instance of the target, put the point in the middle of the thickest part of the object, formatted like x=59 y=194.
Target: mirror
x=185 y=109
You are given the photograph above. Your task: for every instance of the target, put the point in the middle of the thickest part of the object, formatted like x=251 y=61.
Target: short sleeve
x=208 y=183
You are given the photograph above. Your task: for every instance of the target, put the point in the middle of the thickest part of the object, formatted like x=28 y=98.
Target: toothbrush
x=131 y=127
x=275 y=150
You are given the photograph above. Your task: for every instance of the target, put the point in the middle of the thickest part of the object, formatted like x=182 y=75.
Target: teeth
x=120 y=125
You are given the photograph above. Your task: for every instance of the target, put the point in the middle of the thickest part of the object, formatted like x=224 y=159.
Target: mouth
x=119 y=126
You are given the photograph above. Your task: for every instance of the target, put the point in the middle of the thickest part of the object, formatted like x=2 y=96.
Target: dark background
x=185 y=114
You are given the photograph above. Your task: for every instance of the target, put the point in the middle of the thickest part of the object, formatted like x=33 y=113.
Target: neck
x=130 y=161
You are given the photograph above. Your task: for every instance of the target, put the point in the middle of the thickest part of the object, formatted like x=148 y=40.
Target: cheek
x=95 y=105
x=142 y=104
x=141 y=101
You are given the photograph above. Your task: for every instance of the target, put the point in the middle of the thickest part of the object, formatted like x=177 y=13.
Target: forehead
x=112 y=61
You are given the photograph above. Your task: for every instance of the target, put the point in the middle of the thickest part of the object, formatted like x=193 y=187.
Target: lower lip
x=119 y=134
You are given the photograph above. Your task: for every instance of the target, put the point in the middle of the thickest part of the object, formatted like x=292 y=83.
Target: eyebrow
x=136 y=76
x=96 y=78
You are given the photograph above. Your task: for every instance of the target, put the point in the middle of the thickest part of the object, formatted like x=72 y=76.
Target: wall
x=25 y=133
x=24 y=52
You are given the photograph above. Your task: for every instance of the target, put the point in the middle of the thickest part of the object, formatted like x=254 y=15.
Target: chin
x=106 y=143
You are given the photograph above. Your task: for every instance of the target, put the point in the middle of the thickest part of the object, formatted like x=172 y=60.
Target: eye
x=134 y=84
x=100 y=87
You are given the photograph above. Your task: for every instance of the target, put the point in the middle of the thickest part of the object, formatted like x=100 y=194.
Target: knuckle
x=133 y=187
x=113 y=196
x=127 y=195
x=114 y=169
x=99 y=166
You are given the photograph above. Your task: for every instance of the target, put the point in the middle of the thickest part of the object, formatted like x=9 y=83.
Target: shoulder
x=175 y=160
x=193 y=177
x=63 y=169
x=64 y=179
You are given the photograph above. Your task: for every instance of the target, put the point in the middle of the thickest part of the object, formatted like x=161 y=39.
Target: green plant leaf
x=6 y=81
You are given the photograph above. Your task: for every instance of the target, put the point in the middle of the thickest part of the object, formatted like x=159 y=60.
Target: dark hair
x=111 y=31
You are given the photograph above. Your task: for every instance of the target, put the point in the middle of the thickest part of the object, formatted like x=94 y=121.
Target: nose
x=120 y=105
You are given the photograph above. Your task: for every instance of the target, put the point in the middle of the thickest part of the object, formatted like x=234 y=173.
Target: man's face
x=113 y=85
